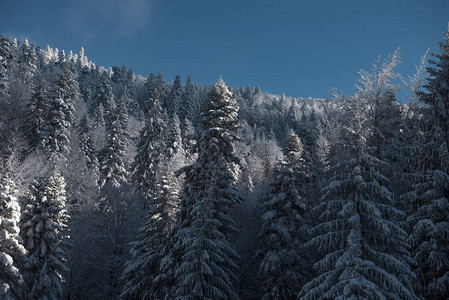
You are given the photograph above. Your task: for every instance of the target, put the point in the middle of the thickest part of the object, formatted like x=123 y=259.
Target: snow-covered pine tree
x=188 y=138
x=157 y=90
x=151 y=238
x=103 y=104
x=187 y=99
x=148 y=100
x=174 y=138
x=174 y=99
x=44 y=220
x=60 y=116
x=28 y=62
x=429 y=204
x=112 y=157
x=284 y=232
x=87 y=147
x=38 y=108
x=201 y=263
x=114 y=204
x=377 y=88
x=11 y=249
x=366 y=253
x=150 y=151
x=5 y=54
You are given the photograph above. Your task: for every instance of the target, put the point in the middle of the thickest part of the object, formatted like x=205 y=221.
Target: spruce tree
x=365 y=253
x=201 y=263
x=158 y=91
x=28 y=62
x=5 y=55
x=187 y=99
x=174 y=99
x=111 y=157
x=86 y=145
x=174 y=138
x=149 y=87
x=427 y=199
x=150 y=149
x=43 y=223
x=11 y=249
x=284 y=231
x=103 y=104
x=188 y=138
x=159 y=218
x=59 y=120
x=38 y=108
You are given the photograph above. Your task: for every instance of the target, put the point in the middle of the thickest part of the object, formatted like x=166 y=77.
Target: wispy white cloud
x=106 y=18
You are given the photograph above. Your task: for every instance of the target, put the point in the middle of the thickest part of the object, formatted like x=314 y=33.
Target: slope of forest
x=114 y=185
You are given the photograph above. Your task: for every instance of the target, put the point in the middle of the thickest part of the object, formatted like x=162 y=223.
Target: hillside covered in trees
x=119 y=186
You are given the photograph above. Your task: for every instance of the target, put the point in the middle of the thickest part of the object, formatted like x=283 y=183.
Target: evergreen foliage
x=43 y=223
x=60 y=116
x=11 y=249
x=159 y=218
x=150 y=149
x=207 y=263
x=427 y=198
x=366 y=252
x=112 y=165
x=284 y=231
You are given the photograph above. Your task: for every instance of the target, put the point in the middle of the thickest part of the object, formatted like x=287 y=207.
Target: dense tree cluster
x=114 y=185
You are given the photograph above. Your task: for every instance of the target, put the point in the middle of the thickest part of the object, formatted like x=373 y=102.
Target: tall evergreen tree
x=203 y=265
x=187 y=99
x=5 y=55
x=428 y=201
x=44 y=221
x=103 y=105
x=11 y=249
x=174 y=138
x=38 y=108
x=28 y=62
x=174 y=99
x=150 y=149
x=56 y=129
x=86 y=145
x=112 y=165
x=159 y=218
x=285 y=263
x=366 y=253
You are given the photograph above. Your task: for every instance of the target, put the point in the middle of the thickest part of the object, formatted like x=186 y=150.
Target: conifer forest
x=115 y=185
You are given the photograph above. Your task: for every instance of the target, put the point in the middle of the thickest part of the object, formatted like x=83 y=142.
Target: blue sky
x=302 y=48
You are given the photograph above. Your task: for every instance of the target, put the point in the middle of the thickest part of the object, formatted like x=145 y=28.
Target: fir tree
x=5 y=55
x=174 y=99
x=285 y=263
x=11 y=249
x=112 y=156
x=38 y=108
x=56 y=130
x=187 y=99
x=158 y=90
x=149 y=87
x=428 y=202
x=103 y=105
x=174 y=138
x=87 y=146
x=28 y=62
x=150 y=149
x=44 y=221
x=159 y=218
x=188 y=138
x=203 y=266
x=366 y=252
